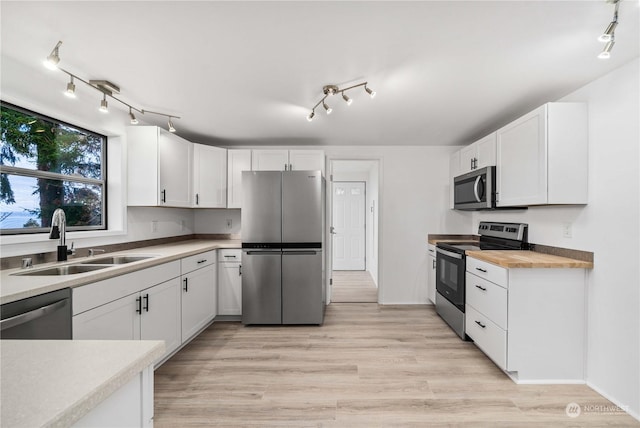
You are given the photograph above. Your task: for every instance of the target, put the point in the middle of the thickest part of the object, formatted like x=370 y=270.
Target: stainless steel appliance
x=451 y=266
x=282 y=235
x=46 y=316
x=475 y=190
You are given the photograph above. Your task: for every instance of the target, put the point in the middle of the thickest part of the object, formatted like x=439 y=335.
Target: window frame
x=34 y=173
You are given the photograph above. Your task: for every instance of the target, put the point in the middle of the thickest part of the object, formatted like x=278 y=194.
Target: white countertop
x=56 y=382
x=14 y=287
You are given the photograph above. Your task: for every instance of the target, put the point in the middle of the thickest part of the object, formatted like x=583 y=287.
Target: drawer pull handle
x=481 y=288
x=480 y=324
x=481 y=270
x=186 y=285
x=202 y=261
x=233 y=257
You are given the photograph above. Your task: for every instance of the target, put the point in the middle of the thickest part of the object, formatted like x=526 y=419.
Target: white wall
x=609 y=227
x=215 y=221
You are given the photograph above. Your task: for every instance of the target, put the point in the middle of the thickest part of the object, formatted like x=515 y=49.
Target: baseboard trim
x=625 y=407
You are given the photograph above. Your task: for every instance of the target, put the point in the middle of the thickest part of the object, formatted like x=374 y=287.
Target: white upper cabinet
x=209 y=177
x=479 y=154
x=288 y=160
x=306 y=160
x=237 y=161
x=542 y=157
x=159 y=168
x=269 y=160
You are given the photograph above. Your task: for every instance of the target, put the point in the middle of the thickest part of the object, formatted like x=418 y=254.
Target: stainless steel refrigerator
x=282 y=235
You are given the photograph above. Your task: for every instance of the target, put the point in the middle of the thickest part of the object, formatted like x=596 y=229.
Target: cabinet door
x=431 y=279
x=486 y=151
x=468 y=155
x=521 y=172
x=209 y=177
x=198 y=300
x=237 y=161
x=306 y=160
x=174 y=170
x=117 y=320
x=229 y=289
x=161 y=314
x=269 y=160
x=454 y=171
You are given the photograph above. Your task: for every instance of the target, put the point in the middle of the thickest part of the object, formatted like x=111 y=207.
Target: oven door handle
x=32 y=315
x=449 y=253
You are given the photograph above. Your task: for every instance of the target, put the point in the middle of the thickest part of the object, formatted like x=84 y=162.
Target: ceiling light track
x=330 y=90
x=107 y=88
x=609 y=34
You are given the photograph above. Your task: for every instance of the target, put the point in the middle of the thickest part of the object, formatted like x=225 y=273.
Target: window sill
x=44 y=237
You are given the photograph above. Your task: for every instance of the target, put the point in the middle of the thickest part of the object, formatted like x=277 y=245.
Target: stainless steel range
x=451 y=267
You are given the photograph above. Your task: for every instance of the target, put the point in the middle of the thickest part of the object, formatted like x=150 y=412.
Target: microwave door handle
x=476 y=191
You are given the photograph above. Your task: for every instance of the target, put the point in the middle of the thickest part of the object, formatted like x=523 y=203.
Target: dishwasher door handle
x=32 y=315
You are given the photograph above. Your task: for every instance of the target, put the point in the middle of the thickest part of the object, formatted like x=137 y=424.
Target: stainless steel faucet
x=59 y=231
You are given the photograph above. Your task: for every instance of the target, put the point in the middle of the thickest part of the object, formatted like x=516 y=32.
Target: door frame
x=330 y=159
x=364 y=213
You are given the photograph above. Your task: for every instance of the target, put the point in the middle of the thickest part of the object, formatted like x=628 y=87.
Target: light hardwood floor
x=367 y=366
x=353 y=286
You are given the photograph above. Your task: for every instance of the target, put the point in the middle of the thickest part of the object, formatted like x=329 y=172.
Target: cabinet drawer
x=98 y=293
x=229 y=255
x=488 y=298
x=491 y=272
x=197 y=261
x=487 y=336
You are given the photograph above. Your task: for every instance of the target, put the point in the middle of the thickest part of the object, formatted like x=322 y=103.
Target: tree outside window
x=47 y=164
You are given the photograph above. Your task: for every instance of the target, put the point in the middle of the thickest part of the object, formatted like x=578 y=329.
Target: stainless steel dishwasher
x=46 y=316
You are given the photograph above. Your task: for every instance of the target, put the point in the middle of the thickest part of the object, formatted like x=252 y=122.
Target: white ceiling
x=247 y=73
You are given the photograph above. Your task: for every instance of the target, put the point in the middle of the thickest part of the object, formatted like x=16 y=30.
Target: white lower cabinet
x=199 y=293
x=151 y=314
x=529 y=321
x=431 y=273
x=229 y=282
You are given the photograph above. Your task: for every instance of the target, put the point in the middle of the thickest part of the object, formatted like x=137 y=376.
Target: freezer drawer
x=302 y=300
x=261 y=287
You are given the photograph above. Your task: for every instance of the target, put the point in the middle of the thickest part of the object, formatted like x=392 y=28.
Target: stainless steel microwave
x=475 y=190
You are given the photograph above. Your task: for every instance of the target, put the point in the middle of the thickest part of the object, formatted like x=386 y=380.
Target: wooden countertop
x=527 y=259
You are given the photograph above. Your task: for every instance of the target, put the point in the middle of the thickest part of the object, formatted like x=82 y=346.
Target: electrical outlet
x=567 y=230
x=154 y=226
x=229 y=223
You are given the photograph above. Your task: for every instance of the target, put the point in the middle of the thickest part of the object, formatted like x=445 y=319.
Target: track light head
x=171 y=127
x=606 y=52
x=134 y=121
x=326 y=107
x=104 y=108
x=371 y=93
x=54 y=58
x=311 y=115
x=347 y=99
x=608 y=33
x=71 y=89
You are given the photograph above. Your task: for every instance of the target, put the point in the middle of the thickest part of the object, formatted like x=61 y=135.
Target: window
x=47 y=164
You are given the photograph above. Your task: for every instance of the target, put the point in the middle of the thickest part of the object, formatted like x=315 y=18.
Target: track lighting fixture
x=54 y=58
x=609 y=34
x=105 y=87
x=134 y=121
x=332 y=90
x=103 y=104
x=71 y=89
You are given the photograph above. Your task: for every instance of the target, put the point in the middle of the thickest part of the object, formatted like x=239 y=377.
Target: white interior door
x=348 y=225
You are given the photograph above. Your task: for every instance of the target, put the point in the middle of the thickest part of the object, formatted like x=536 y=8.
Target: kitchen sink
x=115 y=260
x=61 y=270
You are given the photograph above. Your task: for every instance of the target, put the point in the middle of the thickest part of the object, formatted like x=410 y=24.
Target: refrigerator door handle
x=262 y=253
